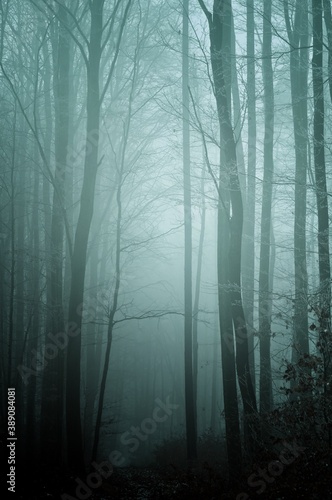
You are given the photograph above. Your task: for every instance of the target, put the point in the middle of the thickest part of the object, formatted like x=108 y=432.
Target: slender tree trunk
x=265 y=250
x=197 y=291
x=235 y=222
x=12 y=257
x=69 y=185
x=52 y=409
x=92 y=363
x=215 y=374
x=249 y=229
x=298 y=37
x=110 y=320
x=31 y=411
x=21 y=145
x=79 y=257
x=229 y=255
x=237 y=120
x=328 y=25
x=20 y=309
x=114 y=308
x=46 y=182
x=320 y=175
x=188 y=323
x=232 y=418
x=73 y=407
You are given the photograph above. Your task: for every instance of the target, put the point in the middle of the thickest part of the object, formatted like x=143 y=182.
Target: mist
x=165 y=283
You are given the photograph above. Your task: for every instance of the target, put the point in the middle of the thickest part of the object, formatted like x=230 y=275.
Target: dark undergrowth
x=308 y=476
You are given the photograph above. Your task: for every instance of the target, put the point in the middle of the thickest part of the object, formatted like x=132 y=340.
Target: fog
x=165 y=280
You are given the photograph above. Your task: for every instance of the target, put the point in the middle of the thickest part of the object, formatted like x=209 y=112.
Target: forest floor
x=309 y=481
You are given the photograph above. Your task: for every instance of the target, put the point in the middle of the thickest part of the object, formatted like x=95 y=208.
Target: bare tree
x=320 y=176
x=298 y=38
x=94 y=100
x=188 y=321
x=230 y=226
x=265 y=246
x=52 y=408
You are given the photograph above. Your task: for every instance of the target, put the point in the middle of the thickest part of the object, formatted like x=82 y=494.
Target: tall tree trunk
x=73 y=407
x=298 y=38
x=188 y=322
x=113 y=308
x=52 y=405
x=320 y=174
x=248 y=279
x=230 y=226
x=31 y=411
x=215 y=374
x=328 y=25
x=79 y=256
x=46 y=183
x=10 y=340
x=237 y=120
x=21 y=145
x=265 y=247
x=198 y=289
x=92 y=364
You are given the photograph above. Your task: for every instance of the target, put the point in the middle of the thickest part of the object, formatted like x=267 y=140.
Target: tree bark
x=265 y=246
x=328 y=25
x=188 y=312
x=52 y=404
x=73 y=408
x=248 y=279
x=230 y=226
x=197 y=291
x=298 y=38
x=321 y=193
x=319 y=160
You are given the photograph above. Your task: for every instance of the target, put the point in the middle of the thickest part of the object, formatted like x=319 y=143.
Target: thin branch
x=287 y=21
x=78 y=43
x=77 y=25
x=111 y=20
x=206 y=151
x=117 y=49
x=147 y=315
x=151 y=238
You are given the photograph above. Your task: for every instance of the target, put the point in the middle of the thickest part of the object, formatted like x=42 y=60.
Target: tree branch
x=206 y=11
x=117 y=49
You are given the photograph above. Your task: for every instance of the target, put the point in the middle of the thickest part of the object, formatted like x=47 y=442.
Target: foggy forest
x=165 y=280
